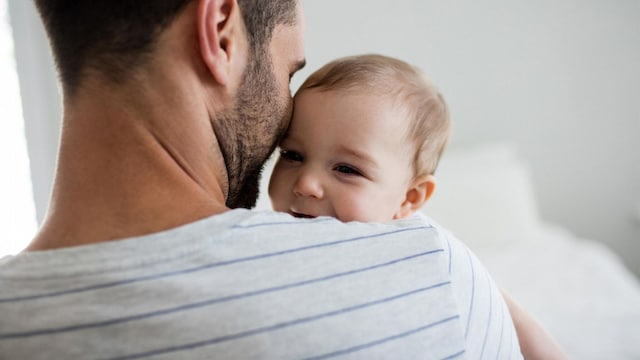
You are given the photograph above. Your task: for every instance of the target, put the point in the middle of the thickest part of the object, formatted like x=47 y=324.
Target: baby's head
x=364 y=142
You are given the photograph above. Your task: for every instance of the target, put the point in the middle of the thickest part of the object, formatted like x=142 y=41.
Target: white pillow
x=484 y=196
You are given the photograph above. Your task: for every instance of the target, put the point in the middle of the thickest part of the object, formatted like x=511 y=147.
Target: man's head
x=113 y=40
x=249 y=132
x=365 y=139
x=115 y=37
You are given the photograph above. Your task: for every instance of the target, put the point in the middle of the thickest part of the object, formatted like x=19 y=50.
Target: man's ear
x=419 y=191
x=220 y=30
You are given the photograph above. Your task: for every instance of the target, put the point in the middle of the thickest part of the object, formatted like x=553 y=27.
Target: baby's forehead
x=379 y=116
x=383 y=99
x=389 y=98
x=356 y=102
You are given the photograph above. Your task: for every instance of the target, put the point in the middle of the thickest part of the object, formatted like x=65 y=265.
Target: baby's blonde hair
x=429 y=126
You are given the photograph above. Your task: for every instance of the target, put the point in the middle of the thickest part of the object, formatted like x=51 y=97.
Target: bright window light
x=17 y=208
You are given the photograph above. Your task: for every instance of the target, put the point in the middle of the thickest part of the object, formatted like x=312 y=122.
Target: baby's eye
x=349 y=170
x=291 y=155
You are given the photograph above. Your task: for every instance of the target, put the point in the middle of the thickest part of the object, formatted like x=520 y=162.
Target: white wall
x=41 y=101
x=560 y=78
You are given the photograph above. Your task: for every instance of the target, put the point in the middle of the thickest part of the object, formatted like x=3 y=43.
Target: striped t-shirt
x=257 y=285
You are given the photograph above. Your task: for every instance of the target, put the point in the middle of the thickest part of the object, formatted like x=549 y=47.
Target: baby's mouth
x=302 y=216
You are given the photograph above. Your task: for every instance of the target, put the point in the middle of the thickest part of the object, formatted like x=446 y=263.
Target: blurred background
x=559 y=79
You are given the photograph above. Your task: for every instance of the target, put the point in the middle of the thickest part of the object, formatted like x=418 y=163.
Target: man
x=171 y=109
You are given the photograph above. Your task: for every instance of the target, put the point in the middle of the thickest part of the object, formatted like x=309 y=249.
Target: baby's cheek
x=280 y=202
x=379 y=206
x=362 y=208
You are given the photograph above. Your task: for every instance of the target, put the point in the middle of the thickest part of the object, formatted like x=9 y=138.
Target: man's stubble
x=249 y=133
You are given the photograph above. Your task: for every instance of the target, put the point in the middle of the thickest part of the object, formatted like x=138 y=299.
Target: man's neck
x=132 y=165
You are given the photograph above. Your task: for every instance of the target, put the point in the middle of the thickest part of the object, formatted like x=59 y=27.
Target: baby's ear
x=419 y=191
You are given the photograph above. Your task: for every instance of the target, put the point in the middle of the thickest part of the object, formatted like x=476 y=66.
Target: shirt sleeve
x=488 y=328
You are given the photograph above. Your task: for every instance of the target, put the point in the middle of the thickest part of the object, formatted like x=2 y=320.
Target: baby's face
x=346 y=156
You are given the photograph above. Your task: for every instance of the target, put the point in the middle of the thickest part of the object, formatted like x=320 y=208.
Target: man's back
x=256 y=285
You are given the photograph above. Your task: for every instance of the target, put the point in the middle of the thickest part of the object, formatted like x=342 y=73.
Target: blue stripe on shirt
x=278 y=326
x=382 y=341
x=207 y=302
x=473 y=289
x=500 y=338
x=449 y=247
x=201 y=267
x=275 y=223
x=459 y=353
x=486 y=335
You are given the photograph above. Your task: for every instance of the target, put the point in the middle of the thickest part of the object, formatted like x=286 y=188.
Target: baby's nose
x=308 y=185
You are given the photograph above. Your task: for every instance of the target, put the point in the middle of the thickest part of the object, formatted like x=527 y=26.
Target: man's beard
x=249 y=133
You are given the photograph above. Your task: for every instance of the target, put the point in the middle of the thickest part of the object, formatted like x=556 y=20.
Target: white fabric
x=577 y=288
x=257 y=285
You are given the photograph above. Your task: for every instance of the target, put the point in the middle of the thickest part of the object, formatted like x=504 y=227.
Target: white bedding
x=577 y=288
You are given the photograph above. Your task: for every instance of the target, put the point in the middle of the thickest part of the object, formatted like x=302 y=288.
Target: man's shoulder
x=395 y=289
x=288 y=223
x=234 y=230
x=327 y=230
x=378 y=290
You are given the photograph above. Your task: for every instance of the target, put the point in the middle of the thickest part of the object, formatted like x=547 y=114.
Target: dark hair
x=114 y=37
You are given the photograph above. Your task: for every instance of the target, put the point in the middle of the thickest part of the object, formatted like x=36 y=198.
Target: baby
x=364 y=142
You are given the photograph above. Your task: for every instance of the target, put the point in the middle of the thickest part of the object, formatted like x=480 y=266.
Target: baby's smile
x=300 y=215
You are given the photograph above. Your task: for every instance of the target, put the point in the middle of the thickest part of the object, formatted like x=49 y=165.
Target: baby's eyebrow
x=362 y=156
